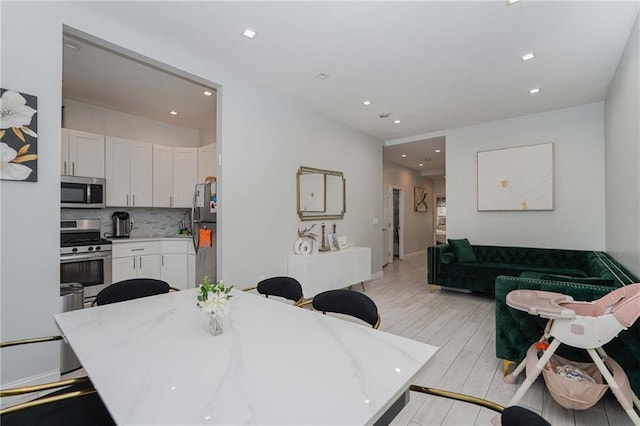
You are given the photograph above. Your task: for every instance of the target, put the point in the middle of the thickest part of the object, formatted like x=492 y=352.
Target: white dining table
x=153 y=362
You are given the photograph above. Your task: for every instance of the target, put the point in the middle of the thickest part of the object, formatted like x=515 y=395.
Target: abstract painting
x=18 y=136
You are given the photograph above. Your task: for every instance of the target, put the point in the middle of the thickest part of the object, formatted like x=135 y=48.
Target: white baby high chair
x=585 y=325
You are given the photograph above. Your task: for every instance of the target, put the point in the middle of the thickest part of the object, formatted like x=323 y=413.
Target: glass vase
x=215 y=325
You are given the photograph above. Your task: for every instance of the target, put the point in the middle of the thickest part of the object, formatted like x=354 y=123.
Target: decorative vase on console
x=302 y=246
x=213 y=299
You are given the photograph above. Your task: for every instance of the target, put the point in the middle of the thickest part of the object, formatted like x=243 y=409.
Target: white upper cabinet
x=162 y=176
x=142 y=174
x=129 y=173
x=207 y=162
x=185 y=175
x=82 y=154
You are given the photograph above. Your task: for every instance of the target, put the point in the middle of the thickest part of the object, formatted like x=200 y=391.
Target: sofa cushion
x=463 y=250
x=448 y=258
x=609 y=282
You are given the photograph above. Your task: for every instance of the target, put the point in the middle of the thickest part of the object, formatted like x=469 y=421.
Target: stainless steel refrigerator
x=203 y=220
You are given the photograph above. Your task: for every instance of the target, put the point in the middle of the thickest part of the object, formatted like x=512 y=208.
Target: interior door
x=386 y=227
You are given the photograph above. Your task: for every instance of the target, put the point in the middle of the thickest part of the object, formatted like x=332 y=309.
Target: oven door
x=92 y=270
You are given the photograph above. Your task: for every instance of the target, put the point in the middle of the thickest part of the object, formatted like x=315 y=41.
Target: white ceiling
x=433 y=65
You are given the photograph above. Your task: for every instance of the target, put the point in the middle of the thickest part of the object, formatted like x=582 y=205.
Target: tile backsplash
x=147 y=222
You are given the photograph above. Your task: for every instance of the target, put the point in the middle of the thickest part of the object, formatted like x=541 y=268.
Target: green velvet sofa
x=445 y=269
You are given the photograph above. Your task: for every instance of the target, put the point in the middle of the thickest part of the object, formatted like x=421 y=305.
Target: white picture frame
x=516 y=179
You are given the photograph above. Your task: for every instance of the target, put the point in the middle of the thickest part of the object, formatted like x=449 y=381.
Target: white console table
x=330 y=270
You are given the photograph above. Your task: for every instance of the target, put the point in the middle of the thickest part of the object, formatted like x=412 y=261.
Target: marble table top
x=153 y=363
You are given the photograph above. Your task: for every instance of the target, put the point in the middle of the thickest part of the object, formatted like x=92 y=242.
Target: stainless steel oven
x=85 y=257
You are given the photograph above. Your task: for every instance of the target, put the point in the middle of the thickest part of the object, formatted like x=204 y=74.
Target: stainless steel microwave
x=82 y=192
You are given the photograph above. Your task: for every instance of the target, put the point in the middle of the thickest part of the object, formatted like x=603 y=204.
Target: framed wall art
x=420 y=197
x=18 y=136
x=518 y=178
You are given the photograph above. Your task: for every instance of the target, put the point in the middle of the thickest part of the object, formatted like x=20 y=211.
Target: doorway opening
x=394 y=236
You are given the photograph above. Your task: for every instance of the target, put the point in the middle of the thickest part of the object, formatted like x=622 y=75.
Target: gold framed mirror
x=321 y=194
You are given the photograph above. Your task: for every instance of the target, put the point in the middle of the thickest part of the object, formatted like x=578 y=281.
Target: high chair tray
x=542 y=303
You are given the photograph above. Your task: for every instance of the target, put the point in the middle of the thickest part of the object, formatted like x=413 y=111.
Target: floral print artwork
x=18 y=136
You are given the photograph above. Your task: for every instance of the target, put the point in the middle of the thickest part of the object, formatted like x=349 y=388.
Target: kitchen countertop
x=150 y=238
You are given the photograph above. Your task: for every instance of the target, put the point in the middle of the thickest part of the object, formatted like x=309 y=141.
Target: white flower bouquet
x=213 y=298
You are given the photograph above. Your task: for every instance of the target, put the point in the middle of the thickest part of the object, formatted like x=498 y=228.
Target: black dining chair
x=285 y=287
x=347 y=302
x=510 y=416
x=132 y=289
x=71 y=402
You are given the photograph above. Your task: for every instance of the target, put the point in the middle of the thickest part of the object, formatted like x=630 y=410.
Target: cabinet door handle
x=134 y=263
x=163 y=260
x=73 y=168
x=65 y=168
x=170 y=200
x=140 y=262
x=138 y=249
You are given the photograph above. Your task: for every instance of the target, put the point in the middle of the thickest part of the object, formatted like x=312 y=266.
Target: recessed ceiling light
x=534 y=91
x=527 y=56
x=397 y=121
x=366 y=103
x=322 y=76
x=437 y=150
x=173 y=112
x=511 y=2
x=249 y=33
x=207 y=93
x=71 y=46
x=420 y=164
x=404 y=155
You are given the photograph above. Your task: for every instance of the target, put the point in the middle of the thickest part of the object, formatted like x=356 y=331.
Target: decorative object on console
x=20 y=145
x=519 y=178
x=301 y=246
x=324 y=246
x=342 y=242
x=214 y=300
x=332 y=242
x=420 y=199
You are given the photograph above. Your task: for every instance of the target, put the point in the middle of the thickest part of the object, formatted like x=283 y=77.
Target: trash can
x=72 y=298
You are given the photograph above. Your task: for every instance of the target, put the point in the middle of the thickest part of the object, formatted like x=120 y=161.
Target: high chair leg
x=623 y=399
x=533 y=373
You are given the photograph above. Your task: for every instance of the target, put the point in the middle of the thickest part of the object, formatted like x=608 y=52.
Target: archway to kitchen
x=148 y=132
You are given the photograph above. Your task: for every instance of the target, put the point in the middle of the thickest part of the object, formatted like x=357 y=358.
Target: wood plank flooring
x=463 y=326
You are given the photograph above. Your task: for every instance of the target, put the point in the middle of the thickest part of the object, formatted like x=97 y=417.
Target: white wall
x=418 y=227
x=577 y=221
x=29 y=212
x=264 y=140
x=622 y=158
x=103 y=121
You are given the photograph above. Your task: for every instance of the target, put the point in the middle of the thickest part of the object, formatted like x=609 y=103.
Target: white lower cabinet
x=191 y=266
x=135 y=260
x=173 y=263
x=164 y=259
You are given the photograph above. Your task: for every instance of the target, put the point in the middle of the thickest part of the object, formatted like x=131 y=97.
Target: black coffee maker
x=122 y=225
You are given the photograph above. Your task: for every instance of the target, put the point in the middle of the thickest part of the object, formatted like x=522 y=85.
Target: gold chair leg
x=362 y=284
x=505 y=367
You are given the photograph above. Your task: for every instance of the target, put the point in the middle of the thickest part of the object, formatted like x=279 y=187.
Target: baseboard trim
x=377 y=275
x=46 y=377
x=416 y=253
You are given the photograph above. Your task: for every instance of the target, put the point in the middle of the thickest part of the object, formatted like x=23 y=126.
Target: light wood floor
x=463 y=327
